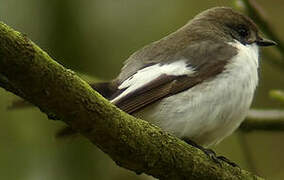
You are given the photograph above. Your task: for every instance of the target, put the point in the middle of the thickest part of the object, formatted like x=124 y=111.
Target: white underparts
x=150 y=73
x=212 y=110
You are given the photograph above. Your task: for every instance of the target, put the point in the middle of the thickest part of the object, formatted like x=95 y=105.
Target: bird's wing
x=144 y=80
x=161 y=80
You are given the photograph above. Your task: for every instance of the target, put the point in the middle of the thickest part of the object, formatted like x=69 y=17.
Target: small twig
x=267 y=120
x=266 y=114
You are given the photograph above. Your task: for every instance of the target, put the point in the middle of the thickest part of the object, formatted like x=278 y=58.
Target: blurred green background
x=95 y=37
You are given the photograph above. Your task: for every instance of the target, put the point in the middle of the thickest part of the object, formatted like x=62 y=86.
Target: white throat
x=249 y=52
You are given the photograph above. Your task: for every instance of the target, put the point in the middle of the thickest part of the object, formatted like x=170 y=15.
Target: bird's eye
x=242 y=31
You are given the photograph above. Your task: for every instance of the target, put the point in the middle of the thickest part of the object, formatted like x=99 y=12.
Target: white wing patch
x=150 y=73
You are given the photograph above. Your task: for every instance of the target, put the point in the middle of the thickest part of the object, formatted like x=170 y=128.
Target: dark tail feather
x=106 y=89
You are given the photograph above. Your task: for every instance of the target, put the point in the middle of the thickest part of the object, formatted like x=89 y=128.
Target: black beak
x=265 y=42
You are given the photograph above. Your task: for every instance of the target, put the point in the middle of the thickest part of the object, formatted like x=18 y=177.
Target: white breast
x=210 y=111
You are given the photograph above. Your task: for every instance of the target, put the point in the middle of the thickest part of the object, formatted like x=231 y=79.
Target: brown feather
x=165 y=86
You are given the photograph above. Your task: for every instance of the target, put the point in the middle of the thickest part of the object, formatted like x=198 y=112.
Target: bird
x=198 y=82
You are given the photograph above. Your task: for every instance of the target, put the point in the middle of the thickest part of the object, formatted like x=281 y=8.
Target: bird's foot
x=211 y=154
x=228 y=161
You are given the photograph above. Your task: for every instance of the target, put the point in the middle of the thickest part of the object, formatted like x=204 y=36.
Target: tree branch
x=132 y=143
x=266 y=120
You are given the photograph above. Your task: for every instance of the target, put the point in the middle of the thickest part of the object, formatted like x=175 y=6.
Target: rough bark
x=132 y=143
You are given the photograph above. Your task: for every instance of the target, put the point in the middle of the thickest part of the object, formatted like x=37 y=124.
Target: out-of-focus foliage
x=277 y=94
x=95 y=37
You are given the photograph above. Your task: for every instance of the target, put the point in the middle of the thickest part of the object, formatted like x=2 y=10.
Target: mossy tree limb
x=132 y=143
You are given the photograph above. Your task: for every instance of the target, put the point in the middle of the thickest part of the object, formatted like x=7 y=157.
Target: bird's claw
x=211 y=154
